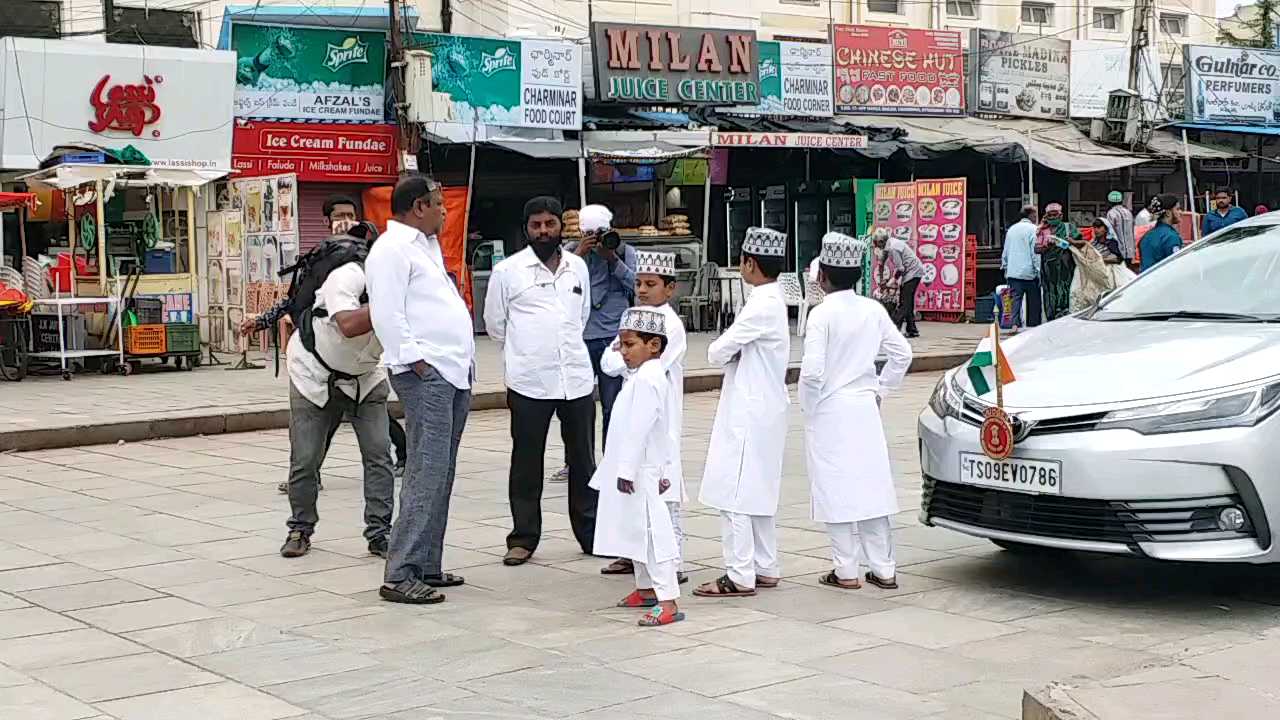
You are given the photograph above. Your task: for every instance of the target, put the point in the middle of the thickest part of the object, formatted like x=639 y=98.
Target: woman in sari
x=1057 y=264
x=1099 y=267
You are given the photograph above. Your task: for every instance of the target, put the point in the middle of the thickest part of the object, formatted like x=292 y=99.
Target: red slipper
x=636 y=600
x=659 y=616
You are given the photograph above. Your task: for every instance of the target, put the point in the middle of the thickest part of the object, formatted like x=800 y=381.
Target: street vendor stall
x=132 y=255
x=15 y=303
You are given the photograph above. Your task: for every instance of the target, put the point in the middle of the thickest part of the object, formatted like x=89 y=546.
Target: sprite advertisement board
x=306 y=73
x=512 y=83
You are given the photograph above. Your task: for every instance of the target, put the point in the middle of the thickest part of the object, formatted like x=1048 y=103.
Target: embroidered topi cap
x=652 y=262
x=645 y=321
x=765 y=241
x=840 y=250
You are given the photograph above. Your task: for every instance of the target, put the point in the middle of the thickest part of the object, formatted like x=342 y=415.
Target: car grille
x=1113 y=521
x=971 y=412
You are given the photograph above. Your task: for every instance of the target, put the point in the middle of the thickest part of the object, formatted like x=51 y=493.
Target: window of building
x=962 y=8
x=1037 y=13
x=151 y=26
x=32 y=18
x=1106 y=19
x=1175 y=25
x=885 y=6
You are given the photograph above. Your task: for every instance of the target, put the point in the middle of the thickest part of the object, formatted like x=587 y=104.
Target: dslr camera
x=610 y=239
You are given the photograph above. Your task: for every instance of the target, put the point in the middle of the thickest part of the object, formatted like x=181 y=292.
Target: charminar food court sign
x=654 y=65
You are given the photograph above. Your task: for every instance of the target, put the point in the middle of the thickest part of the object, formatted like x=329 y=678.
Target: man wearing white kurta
x=743 y=473
x=632 y=520
x=849 y=474
x=655 y=283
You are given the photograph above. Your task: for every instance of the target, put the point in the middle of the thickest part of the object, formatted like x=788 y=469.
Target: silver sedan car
x=1145 y=426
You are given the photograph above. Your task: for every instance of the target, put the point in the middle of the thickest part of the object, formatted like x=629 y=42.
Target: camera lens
x=611 y=240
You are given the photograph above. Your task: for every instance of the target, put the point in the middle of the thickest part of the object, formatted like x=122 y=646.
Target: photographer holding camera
x=612 y=265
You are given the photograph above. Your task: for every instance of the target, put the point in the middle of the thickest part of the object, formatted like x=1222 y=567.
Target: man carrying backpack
x=334 y=372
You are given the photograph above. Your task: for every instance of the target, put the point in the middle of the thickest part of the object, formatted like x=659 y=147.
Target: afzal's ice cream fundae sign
x=655 y=65
x=307 y=73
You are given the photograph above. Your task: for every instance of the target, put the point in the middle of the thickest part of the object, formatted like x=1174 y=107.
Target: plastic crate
x=160 y=262
x=145 y=340
x=150 y=311
x=182 y=338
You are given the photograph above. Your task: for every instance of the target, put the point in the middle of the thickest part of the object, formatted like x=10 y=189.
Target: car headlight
x=945 y=402
x=1237 y=409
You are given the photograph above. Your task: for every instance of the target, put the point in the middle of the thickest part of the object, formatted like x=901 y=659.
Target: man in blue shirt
x=613 y=282
x=1223 y=214
x=1021 y=266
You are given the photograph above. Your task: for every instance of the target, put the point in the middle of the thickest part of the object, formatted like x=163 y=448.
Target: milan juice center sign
x=655 y=65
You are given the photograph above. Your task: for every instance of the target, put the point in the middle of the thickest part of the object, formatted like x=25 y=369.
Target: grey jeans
x=310 y=428
x=435 y=414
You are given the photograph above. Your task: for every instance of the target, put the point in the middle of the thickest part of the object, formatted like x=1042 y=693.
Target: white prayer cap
x=840 y=250
x=765 y=241
x=595 y=217
x=644 y=320
x=652 y=262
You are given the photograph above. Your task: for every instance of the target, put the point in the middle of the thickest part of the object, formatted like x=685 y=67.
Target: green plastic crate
x=183 y=337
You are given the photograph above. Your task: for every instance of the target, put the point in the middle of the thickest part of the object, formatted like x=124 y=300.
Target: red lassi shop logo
x=125 y=107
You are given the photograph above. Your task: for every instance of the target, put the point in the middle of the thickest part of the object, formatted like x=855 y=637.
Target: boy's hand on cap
x=626 y=487
x=663 y=485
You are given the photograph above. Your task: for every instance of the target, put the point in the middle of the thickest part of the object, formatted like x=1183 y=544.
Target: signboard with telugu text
x=315 y=151
x=1021 y=75
x=658 y=65
x=795 y=80
x=1232 y=85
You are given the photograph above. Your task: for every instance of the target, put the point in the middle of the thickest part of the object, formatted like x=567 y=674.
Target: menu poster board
x=894 y=210
x=250 y=253
x=1022 y=75
x=940 y=238
x=900 y=71
x=286 y=203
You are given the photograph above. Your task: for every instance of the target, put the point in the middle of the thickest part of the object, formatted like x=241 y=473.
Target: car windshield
x=1231 y=276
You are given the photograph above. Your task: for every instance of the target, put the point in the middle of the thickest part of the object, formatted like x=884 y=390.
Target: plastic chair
x=694 y=306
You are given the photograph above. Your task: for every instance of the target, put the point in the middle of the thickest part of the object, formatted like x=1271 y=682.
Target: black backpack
x=306 y=277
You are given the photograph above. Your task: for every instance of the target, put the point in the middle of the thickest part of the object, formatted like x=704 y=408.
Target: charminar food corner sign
x=675 y=66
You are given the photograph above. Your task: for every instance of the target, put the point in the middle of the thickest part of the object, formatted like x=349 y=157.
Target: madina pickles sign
x=297 y=73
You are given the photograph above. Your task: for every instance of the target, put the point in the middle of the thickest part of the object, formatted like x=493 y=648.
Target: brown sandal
x=834 y=581
x=621 y=566
x=722 y=587
x=890 y=584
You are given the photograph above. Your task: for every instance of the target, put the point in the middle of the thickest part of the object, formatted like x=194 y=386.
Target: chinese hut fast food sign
x=654 y=65
x=898 y=71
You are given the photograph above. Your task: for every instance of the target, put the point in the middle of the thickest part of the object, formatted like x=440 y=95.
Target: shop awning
x=62 y=177
x=15 y=200
x=638 y=150
x=1058 y=145
x=542 y=149
x=1270 y=130
x=1169 y=143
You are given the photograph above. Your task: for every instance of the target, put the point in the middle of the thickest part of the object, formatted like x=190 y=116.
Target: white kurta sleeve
x=642 y=413
x=813 y=367
x=677 y=343
x=751 y=324
x=495 y=306
x=898 y=353
x=611 y=362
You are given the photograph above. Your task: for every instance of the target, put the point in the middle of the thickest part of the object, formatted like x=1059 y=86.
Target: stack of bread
x=648 y=231
x=572 y=226
x=675 y=224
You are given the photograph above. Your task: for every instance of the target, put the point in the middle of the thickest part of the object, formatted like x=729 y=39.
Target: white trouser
x=750 y=544
x=871 y=539
x=678 y=527
x=659 y=577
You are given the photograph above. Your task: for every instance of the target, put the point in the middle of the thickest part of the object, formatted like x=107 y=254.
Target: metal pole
x=1031 y=174
x=102 y=243
x=192 y=268
x=1191 y=188
x=706 y=206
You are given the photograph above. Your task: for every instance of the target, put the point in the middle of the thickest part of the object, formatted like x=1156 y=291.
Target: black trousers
x=907 y=306
x=530 y=422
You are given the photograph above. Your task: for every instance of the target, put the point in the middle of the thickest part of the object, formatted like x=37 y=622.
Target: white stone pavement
x=141 y=582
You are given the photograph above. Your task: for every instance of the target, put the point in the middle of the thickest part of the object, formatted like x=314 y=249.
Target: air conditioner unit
x=425 y=104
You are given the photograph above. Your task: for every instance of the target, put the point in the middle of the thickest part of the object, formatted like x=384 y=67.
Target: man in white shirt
x=344 y=380
x=429 y=349
x=538 y=303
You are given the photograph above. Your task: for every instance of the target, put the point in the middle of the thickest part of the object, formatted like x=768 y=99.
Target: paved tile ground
x=141 y=582
x=45 y=402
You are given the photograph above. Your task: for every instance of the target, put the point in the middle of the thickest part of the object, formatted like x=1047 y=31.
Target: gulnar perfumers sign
x=1232 y=84
x=675 y=66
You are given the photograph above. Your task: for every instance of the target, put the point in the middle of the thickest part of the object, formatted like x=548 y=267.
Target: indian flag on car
x=987 y=362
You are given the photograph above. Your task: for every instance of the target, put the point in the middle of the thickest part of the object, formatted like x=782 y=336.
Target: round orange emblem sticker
x=997 y=434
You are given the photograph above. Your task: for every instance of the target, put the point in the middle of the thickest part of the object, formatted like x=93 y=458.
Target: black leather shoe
x=378 y=546
x=296 y=545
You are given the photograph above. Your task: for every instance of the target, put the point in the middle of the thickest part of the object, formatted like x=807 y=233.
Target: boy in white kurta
x=743 y=473
x=655 y=284
x=849 y=474
x=632 y=520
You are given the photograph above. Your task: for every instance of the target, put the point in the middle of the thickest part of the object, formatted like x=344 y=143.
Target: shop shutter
x=312 y=225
